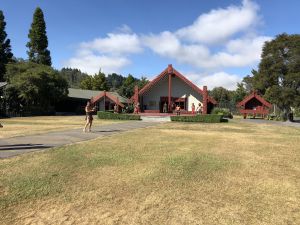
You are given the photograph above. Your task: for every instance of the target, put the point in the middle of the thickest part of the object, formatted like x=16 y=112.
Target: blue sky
x=211 y=42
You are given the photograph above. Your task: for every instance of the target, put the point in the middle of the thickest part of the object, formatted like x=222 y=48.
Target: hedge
x=210 y=118
x=117 y=116
x=222 y=111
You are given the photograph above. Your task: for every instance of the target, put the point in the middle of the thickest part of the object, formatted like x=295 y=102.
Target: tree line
x=100 y=81
x=34 y=85
x=277 y=78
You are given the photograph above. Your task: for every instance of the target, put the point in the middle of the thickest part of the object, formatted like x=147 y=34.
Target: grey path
x=277 y=123
x=18 y=145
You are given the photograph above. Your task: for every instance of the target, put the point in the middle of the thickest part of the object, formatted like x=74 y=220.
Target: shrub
x=210 y=118
x=223 y=111
x=297 y=112
x=272 y=117
x=116 y=116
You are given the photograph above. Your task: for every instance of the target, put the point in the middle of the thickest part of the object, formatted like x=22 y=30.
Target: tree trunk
x=287 y=114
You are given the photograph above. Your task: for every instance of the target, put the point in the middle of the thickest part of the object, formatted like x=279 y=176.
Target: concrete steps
x=156 y=118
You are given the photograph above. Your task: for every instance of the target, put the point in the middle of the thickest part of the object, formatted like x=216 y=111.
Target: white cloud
x=164 y=44
x=240 y=52
x=236 y=53
x=223 y=79
x=114 y=44
x=125 y=29
x=215 y=28
x=220 y=24
x=219 y=79
x=91 y=63
x=220 y=39
x=110 y=54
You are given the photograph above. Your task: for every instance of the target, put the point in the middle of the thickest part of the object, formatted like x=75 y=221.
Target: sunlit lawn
x=232 y=173
x=41 y=124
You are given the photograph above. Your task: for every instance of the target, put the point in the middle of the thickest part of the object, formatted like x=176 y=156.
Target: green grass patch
x=51 y=177
x=196 y=166
x=33 y=184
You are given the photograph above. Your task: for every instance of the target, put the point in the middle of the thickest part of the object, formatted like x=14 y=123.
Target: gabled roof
x=254 y=94
x=81 y=93
x=107 y=95
x=88 y=94
x=167 y=71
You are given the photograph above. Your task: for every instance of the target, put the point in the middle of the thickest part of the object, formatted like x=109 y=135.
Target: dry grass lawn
x=175 y=173
x=41 y=124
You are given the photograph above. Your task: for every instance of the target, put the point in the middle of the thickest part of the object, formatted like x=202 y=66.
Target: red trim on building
x=153 y=82
x=205 y=100
x=136 y=94
x=259 y=109
x=170 y=70
x=108 y=95
x=188 y=82
x=170 y=91
x=254 y=94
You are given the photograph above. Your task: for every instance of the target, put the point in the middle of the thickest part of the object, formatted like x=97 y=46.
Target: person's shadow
x=23 y=147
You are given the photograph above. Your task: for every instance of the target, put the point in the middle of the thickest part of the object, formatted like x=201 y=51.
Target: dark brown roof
x=254 y=94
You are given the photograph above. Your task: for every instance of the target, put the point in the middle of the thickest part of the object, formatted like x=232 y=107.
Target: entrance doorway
x=174 y=102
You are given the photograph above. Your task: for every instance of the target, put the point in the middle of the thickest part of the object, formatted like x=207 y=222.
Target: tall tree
x=73 y=76
x=5 y=48
x=278 y=75
x=87 y=83
x=96 y=82
x=220 y=94
x=99 y=82
x=38 y=41
x=37 y=87
x=239 y=94
x=142 y=82
x=127 y=89
x=114 y=81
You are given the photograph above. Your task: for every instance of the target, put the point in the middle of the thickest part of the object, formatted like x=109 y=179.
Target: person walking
x=136 y=108
x=116 y=108
x=193 y=108
x=89 y=116
x=165 y=108
x=199 y=109
x=177 y=109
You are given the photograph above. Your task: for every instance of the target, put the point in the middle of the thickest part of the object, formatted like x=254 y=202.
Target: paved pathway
x=18 y=145
x=156 y=118
x=278 y=123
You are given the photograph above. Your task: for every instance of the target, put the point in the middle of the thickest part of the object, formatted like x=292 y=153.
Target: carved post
x=205 y=99
x=104 y=100
x=118 y=102
x=136 y=94
x=170 y=72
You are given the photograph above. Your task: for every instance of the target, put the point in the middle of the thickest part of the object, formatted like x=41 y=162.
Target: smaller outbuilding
x=254 y=104
x=103 y=100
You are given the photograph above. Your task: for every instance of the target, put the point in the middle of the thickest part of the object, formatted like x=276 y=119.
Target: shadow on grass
x=23 y=147
x=107 y=131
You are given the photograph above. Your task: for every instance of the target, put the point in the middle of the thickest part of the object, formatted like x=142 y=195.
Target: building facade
x=254 y=104
x=103 y=100
x=173 y=89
